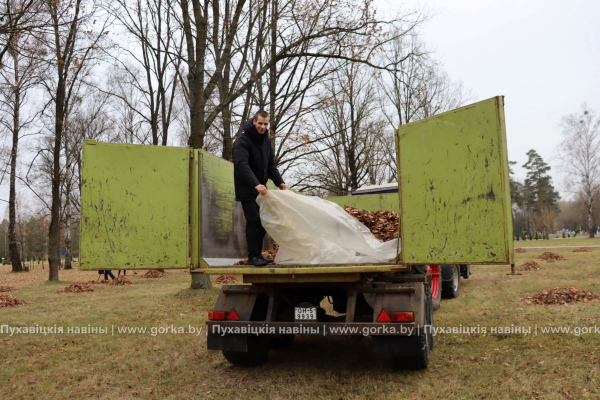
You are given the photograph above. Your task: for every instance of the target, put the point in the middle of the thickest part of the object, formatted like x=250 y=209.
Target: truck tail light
x=383 y=316
x=217 y=315
x=403 y=317
x=233 y=315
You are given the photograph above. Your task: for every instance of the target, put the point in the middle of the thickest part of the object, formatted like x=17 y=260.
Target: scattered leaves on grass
x=530 y=266
x=152 y=274
x=225 y=280
x=77 y=288
x=7 y=300
x=520 y=250
x=382 y=224
x=564 y=295
x=4 y=289
x=549 y=256
x=582 y=250
x=270 y=254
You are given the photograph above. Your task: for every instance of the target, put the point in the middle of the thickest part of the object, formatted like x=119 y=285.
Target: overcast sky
x=543 y=56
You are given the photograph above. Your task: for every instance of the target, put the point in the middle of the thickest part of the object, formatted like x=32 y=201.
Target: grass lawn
x=178 y=366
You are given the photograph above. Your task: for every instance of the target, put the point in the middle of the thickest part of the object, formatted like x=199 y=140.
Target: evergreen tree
x=539 y=196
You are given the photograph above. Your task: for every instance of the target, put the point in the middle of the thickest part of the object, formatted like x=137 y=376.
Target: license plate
x=306 y=313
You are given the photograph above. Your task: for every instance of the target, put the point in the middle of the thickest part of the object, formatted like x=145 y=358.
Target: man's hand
x=282 y=186
x=262 y=189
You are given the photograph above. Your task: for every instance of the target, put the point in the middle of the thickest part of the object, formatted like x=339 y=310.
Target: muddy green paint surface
x=134 y=207
x=454 y=193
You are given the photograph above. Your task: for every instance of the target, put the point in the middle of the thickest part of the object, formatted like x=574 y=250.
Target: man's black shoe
x=268 y=260
x=257 y=262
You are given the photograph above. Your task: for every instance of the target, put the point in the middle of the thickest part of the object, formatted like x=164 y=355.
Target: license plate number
x=306 y=313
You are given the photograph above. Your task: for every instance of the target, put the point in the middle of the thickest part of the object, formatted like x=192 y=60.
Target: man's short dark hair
x=260 y=113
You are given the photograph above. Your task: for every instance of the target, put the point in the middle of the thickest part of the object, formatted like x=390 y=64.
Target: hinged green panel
x=454 y=191
x=134 y=207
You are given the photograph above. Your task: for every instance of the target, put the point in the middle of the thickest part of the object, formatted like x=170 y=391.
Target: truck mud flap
x=401 y=346
x=231 y=342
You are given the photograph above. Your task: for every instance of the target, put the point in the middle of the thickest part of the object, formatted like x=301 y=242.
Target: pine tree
x=539 y=196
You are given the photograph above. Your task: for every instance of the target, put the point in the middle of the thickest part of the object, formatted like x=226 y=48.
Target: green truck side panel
x=369 y=202
x=454 y=191
x=134 y=207
x=218 y=194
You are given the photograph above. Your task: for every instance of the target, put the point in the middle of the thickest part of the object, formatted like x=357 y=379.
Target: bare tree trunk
x=15 y=258
x=68 y=209
x=590 y=208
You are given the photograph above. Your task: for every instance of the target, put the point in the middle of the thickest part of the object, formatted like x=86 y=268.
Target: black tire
x=421 y=344
x=281 y=341
x=451 y=288
x=258 y=350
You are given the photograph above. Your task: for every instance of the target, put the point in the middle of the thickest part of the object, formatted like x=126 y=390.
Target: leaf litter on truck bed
x=549 y=256
x=77 y=288
x=7 y=300
x=562 y=295
x=225 y=280
x=530 y=266
x=582 y=250
x=382 y=224
x=153 y=274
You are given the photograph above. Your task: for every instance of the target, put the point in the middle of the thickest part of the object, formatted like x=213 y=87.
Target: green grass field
x=178 y=366
x=576 y=241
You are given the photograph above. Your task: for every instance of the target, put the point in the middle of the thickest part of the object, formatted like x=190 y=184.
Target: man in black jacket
x=253 y=165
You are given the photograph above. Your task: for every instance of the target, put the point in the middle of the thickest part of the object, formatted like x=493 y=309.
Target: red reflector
x=233 y=315
x=403 y=317
x=218 y=315
x=383 y=316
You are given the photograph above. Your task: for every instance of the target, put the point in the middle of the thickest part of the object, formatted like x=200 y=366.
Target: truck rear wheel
x=258 y=349
x=451 y=288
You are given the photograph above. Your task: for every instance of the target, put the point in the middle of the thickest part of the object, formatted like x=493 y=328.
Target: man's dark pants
x=255 y=233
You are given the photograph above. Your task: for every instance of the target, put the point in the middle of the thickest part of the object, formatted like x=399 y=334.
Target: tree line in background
x=536 y=206
x=336 y=77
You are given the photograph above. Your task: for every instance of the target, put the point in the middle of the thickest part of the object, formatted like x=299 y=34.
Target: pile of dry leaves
x=383 y=224
x=530 y=266
x=120 y=281
x=152 y=273
x=520 y=250
x=549 y=256
x=225 y=280
x=7 y=300
x=4 y=289
x=77 y=288
x=270 y=254
x=582 y=250
x=564 y=295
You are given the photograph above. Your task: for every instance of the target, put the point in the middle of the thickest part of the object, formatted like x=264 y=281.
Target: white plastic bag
x=310 y=230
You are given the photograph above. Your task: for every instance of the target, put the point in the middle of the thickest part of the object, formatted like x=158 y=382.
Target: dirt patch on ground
x=270 y=254
x=530 y=266
x=562 y=295
x=520 y=250
x=225 y=280
x=7 y=300
x=153 y=274
x=582 y=250
x=4 y=289
x=77 y=288
x=549 y=256
x=382 y=224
